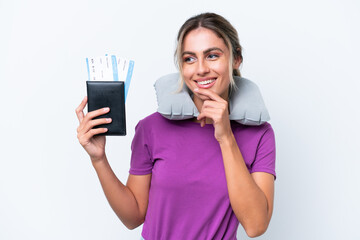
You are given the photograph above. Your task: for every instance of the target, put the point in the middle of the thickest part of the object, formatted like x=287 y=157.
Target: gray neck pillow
x=246 y=104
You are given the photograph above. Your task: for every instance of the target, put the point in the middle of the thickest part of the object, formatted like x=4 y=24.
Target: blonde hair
x=222 y=28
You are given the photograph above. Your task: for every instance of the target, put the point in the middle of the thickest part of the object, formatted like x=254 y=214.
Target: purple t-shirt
x=188 y=196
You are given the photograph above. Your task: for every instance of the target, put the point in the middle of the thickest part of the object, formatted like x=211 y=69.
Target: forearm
x=247 y=200
x=119 y=196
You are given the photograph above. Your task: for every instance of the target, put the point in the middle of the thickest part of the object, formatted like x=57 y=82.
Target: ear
x=237 y=62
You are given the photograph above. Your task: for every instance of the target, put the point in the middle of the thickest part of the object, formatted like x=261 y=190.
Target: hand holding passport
x=107 y=86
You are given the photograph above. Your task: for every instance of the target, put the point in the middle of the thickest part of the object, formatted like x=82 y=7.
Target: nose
x=202 y=68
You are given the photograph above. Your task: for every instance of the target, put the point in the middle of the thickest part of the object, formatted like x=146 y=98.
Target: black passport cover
x=108 y=94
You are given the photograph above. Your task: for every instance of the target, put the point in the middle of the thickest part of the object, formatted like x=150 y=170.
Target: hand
x=93 y=145
x=215 y=108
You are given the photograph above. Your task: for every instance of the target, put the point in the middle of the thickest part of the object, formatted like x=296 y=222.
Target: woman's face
x=205 y=62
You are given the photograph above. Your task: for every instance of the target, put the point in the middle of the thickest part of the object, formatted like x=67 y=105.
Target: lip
x=206 y=85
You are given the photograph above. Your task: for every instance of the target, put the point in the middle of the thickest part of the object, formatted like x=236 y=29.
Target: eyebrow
x=205 y=52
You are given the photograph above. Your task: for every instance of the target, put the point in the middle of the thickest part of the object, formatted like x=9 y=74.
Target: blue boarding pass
x=110 y=68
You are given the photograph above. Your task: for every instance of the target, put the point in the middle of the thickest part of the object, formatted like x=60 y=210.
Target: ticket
x=110 y=68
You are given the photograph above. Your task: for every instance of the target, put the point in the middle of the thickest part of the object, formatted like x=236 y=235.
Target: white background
x=304 y=56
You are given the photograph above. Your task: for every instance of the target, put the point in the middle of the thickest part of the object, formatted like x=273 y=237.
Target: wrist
x=227 y=140
x=97 y=161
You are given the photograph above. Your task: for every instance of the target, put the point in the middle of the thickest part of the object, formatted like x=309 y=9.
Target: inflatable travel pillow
x=246 y=104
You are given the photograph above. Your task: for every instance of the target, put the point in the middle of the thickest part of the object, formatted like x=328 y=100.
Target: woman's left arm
x=251 y=195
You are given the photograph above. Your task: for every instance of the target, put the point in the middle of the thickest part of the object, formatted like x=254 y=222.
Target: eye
x=213 y=56
x=189 y=59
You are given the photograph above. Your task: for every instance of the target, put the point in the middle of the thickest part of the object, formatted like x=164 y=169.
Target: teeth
x=206 y=82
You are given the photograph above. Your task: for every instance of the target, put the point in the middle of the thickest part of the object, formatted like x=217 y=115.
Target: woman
x=207 y=174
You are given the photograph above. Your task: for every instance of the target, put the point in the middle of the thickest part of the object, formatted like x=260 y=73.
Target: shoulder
x=255 y=129
x=156 y=129
x=153 y=122
x=265 y=127
x=154 y=118
x=252 y=132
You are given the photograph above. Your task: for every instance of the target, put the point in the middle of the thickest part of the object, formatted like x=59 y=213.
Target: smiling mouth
x=206 y=81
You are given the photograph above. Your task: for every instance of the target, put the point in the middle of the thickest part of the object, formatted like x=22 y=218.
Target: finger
x=80 y=108
x=85 y=139
x=214 y=104
x=202 y=119
x=209 y=94
x=203 y=122
x=212 y=113
x=91 y=124
x=84 y=127
x=220 y=108
x=96 y=113
x=95 y=131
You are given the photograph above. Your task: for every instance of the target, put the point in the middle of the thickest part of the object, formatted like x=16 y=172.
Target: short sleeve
x=141 y=160
x=265 y=153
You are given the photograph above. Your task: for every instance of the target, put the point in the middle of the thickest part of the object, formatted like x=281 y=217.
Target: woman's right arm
x=128 y=202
